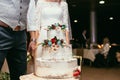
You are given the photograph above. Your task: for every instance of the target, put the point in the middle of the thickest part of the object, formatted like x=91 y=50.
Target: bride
x=44 y=14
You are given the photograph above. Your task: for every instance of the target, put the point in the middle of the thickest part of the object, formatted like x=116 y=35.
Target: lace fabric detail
x=40 y=6
x=45 y=14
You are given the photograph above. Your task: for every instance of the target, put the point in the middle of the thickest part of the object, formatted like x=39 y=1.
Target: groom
x=13 y=38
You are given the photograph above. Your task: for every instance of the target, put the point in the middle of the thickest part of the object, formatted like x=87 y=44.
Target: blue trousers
x=13 y=47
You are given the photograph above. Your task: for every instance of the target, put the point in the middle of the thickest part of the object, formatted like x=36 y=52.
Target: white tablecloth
x=86 y=53
x=90 y=54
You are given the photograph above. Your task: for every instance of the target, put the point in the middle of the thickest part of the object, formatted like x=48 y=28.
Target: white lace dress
x=48 y=13
x=53 y=60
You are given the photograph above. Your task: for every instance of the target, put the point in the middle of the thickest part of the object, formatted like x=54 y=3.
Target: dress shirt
x=14 y=12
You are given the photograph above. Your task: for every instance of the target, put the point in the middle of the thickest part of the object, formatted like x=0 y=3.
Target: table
x=90 y=54
x=86 y=53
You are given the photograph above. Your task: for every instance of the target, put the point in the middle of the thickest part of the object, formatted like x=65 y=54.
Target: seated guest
x=101 y=57
x=111 y=57
x=106 y=47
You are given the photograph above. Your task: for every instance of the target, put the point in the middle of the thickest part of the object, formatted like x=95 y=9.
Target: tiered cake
x=55 y=69
x=56 y=61
x=57 y=64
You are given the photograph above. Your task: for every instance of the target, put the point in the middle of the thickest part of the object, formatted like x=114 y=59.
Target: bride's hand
x=32 y=46
x=68 y=44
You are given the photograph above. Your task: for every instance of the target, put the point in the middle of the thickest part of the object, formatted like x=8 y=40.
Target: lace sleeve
x=30 y=16
x=66 y=18
x=33 y=16
x=38 y=15
x=65 y=13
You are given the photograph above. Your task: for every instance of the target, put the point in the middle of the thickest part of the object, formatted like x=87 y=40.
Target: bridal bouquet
x=57 y=26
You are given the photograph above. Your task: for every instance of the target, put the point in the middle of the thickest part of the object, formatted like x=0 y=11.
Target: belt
x=2 y=24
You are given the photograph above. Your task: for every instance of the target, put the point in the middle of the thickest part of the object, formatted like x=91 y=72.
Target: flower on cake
x=76 y=72
x=57 y=26
x=54 y=43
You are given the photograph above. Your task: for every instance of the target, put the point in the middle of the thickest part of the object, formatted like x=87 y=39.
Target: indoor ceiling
x=80 y=10
x=85 y=4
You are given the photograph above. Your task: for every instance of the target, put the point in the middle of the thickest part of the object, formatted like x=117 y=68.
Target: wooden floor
x=92 y=73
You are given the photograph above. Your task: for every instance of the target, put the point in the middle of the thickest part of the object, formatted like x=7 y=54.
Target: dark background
x=80 y=10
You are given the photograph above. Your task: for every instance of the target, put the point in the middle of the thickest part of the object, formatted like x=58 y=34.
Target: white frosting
x=55 y=62
x=33 y=77
x=61 y=53
x=58 y=33
x=55 y=68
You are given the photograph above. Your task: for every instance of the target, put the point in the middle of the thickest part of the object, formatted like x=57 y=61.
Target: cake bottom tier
x=33 y=77
x=55 y=69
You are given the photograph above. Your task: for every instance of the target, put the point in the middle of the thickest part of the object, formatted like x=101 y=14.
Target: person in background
x=83 y=39
x=13 y=39
x=88 y=43
x=101 y=57
x=105 y=47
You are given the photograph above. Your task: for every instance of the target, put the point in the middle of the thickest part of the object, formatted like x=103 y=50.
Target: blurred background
x=101 y=15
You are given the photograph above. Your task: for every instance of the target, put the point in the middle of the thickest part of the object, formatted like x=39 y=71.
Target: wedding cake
x=56 y=61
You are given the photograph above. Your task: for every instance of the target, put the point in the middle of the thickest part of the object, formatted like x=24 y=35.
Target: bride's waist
x=49 y=23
